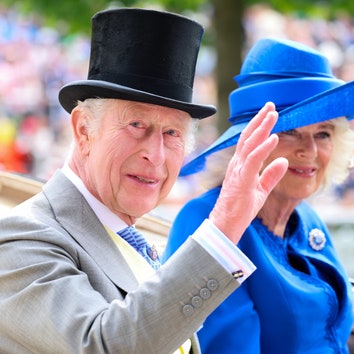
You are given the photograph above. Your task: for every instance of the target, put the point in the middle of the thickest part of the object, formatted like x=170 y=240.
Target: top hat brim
x=84 y=89
x=330 y=104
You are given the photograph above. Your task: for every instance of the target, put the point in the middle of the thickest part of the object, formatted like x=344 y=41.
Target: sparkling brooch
x=317 y=239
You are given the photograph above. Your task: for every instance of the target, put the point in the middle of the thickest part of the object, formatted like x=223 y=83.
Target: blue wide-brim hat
x=297 y=78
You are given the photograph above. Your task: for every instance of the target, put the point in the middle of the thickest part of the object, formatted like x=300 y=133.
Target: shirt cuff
x=224 y=251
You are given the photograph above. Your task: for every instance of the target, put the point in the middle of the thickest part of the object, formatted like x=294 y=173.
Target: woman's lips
x=303 y=171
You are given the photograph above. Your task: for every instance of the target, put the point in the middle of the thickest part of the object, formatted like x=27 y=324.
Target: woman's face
x=308 y=150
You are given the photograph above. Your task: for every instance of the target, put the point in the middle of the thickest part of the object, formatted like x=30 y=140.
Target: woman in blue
x=299 y=298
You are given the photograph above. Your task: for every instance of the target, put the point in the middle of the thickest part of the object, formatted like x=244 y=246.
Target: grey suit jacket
x=65 y=287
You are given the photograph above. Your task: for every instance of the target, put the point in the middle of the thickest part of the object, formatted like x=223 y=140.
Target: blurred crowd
x=35 y=61
x=335 y=38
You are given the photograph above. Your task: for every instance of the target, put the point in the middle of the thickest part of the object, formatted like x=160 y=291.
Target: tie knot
x=135 y=238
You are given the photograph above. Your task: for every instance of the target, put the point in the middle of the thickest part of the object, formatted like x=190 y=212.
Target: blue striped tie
x=138 y=242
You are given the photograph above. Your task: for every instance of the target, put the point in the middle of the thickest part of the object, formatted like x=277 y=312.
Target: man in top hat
x=75 y=278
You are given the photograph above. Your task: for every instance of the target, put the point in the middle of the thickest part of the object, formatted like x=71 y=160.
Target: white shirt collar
x=105 y=215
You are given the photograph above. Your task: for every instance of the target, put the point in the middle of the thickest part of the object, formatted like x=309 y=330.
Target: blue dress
x=297 y=301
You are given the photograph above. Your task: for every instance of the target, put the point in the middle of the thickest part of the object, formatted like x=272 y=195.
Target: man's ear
x=79 y=122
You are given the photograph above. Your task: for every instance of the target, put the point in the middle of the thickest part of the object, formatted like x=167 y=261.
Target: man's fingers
x=251 y=140
x=263 y=119
x=273 y=173
x=254 y=159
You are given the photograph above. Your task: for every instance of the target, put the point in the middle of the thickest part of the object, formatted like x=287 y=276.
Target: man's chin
x=137 y=211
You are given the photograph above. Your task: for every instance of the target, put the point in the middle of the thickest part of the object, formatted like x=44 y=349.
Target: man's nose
x=154 y=149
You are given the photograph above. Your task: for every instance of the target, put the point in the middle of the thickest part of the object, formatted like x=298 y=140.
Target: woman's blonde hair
x=337 y=170
x=343 y=153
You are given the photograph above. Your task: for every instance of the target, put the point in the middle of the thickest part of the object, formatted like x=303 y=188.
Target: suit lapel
x=79 y=220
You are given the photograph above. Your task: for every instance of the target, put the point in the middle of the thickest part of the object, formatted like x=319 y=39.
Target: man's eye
x=171 y=132
x=135 y=124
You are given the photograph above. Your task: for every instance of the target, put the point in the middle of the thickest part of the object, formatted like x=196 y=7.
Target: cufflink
x=238 y=274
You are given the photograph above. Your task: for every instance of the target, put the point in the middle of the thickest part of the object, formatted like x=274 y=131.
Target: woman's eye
x=323 y=135
x=288 y=132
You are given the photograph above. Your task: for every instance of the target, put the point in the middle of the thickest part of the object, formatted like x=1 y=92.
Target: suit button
x=204 y=293
x=188 y=310
x=212 y=284
x=197 y=301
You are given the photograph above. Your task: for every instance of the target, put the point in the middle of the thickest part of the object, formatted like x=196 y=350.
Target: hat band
x=284 y=93
x=148 y=84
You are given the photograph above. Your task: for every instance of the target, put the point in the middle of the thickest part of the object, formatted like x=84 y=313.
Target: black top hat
x=141 y=55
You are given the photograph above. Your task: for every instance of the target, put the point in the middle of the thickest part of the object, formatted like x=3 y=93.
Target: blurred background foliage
x=75 y=15
x=224 y=31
